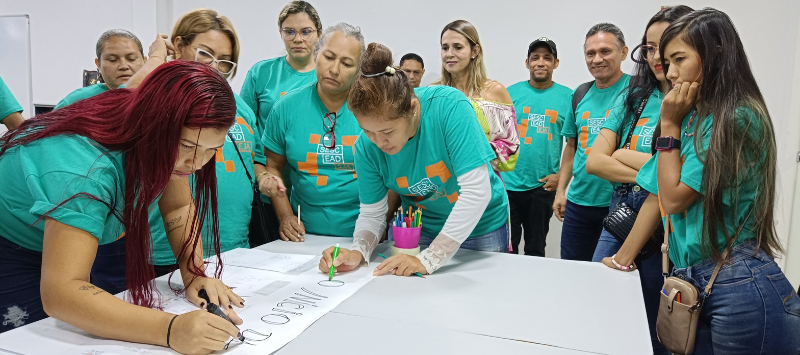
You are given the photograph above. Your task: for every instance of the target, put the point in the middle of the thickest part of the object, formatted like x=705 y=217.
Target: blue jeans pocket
x=786 y=293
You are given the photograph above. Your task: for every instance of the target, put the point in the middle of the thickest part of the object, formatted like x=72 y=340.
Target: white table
x=477 y=304
x=566 y=305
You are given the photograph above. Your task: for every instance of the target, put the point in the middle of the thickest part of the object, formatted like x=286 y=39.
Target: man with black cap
x=541 y=107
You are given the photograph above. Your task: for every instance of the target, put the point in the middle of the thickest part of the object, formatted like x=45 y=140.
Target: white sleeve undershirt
x=475 y=194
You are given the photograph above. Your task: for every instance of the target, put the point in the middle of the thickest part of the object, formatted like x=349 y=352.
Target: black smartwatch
x=667 y=143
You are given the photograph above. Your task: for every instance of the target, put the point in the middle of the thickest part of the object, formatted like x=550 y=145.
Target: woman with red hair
x=87 y=173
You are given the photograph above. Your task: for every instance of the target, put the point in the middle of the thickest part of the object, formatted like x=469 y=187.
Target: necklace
x=689 y=125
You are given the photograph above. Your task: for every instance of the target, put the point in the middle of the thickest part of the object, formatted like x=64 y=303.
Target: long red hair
x=145 y=124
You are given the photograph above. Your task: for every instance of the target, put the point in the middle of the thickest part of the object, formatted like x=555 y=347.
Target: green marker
x=335 y=254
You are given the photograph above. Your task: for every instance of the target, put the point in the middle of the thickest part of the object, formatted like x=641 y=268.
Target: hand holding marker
x=214 y=309
x=335 y=254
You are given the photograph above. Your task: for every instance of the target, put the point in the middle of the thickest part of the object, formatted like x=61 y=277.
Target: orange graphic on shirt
x=553 y=119
x=402 y=182
x=350 y=141
x=583 y=137
x=220 y=158
x=523 y=130
x=438 y=169
x=311 y=166
x=635 y=138
x=284 y=93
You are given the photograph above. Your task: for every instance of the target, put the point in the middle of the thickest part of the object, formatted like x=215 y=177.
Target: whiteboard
x=15 y=60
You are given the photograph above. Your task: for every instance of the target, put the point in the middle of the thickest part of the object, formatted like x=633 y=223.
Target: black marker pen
x=214 y=309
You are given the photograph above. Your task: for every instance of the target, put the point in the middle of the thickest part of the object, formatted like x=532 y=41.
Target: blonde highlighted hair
x=201 y=21
x=476 y=70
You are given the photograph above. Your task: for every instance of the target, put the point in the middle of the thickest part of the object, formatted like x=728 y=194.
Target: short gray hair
x=118 y=32
x=347 y=29
x=606 y=28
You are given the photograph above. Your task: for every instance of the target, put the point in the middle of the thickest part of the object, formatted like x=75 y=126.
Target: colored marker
x=416 y=273
x=335 y=254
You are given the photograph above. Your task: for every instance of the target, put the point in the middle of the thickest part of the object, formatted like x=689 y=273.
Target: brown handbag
x=676 y=325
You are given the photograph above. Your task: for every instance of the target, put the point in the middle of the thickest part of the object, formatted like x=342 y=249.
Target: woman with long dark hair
x=714 y=174
x=89 y=172
x=617 y=155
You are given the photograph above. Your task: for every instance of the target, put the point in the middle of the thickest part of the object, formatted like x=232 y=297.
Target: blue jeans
x=496 y=241
x=581 y=230
x=20 y=276
x=752 y=308
x=649 y=269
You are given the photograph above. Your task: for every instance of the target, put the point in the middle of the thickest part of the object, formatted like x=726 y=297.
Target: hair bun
x=376 y=60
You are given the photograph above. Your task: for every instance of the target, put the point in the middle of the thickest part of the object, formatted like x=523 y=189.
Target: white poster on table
x=279 y=308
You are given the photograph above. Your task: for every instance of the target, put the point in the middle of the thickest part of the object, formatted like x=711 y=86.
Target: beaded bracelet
x=169 y=330
x=258 y=177
x=622 y=267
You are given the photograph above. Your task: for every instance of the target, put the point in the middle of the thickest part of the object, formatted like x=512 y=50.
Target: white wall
x=63 y=34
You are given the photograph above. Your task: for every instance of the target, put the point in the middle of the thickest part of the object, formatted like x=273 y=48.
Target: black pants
x=532 y=211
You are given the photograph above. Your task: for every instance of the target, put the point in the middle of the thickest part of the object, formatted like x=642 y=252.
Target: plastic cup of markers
x=406 y=240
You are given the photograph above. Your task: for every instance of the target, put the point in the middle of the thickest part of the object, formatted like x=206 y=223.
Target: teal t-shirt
x=540 y=117
x=584 y=124
x=685 y=236
x=82 y=93
x=642 y=139
x=39 y=176
x=267 y=81
x=449 y=142
x=235 y=191
x=323 y=180
x=8 y=104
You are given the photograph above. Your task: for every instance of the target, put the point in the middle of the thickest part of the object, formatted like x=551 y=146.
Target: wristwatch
x=667 y=143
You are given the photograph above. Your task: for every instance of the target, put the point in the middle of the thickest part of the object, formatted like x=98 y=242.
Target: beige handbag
x=676 y=325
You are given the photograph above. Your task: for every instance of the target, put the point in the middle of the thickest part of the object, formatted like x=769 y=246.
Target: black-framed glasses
x=290 y=33
x=225 y=67
x=329 y=123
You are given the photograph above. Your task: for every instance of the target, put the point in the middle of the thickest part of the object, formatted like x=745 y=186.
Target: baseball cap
x=543 y=41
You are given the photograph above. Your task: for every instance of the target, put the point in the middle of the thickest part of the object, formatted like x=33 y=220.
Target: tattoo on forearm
x=174 y=224
x=91 y=288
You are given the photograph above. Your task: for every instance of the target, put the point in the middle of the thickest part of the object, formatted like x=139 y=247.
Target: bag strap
x=665 y=245
x=725 y=255
x=236 y=146
x=638 y=115
x=580 y=92
x=256 y=191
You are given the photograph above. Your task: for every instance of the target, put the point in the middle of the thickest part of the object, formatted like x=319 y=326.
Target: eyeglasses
x=649 y=50
x=329 y=123
x=290 y=33
x=225 y=67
